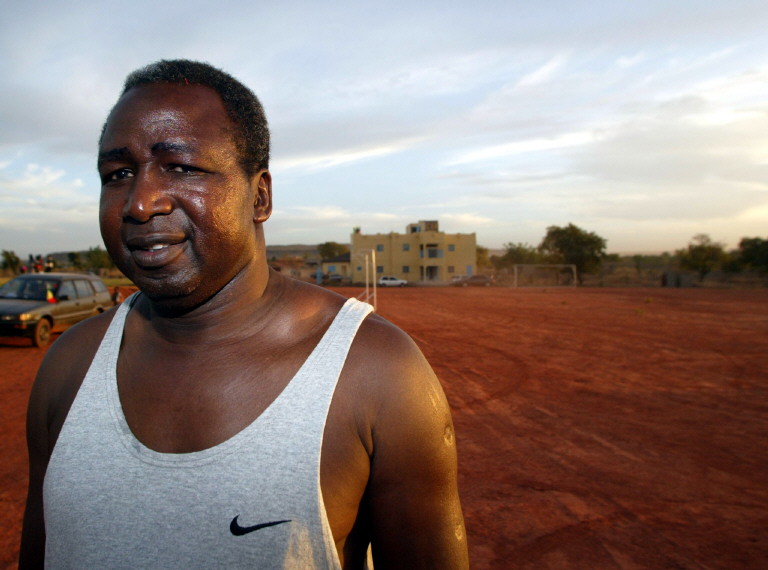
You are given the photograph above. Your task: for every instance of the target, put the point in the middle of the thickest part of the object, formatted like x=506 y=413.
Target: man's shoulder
x=66 y=363
x=387 y=362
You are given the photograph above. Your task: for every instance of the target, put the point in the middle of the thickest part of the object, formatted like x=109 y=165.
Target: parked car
x=390 y=281
x=473 y=281
x=336 y=279
x=37 y=304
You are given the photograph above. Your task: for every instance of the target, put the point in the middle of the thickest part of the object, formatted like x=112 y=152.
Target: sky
x=644 y=122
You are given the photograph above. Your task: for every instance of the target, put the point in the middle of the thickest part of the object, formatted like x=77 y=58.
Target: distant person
x=227 y=416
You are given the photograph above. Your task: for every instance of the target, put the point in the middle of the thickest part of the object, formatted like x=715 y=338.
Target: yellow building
x=422 y=253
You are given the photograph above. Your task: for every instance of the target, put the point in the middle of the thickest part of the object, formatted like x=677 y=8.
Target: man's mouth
x=154 y=251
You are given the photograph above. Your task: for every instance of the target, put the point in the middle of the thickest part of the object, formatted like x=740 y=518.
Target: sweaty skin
x=217 y=335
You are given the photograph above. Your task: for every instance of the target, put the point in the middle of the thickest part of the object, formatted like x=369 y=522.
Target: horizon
x=646 y=124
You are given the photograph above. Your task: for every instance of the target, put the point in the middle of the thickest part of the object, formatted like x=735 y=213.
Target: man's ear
x=262 y=200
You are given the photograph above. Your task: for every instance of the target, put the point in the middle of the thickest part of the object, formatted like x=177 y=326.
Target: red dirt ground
x=597 y=428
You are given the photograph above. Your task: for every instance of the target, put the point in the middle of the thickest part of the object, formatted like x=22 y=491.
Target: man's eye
x=120 y=174
x=183 y=168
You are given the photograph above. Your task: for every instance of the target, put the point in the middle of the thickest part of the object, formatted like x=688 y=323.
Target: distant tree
x=571 y=244
x=482 y=260
x=753 y=253
x=516 y=253
x=702 y=255
x=11 y=261
x=330 y=249
x=98 y=258
x=74 y=260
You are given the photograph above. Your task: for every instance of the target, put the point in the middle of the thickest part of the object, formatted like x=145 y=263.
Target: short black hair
x=251 y=132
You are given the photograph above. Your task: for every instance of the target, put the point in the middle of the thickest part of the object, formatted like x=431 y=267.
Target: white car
x=390 y=281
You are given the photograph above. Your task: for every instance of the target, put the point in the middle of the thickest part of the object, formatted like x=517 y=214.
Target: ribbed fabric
x=111 y=502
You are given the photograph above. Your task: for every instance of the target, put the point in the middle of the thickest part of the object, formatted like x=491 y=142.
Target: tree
x=74 y=260
x=11 y=261
x=702 y=255
x=482 y=260
x=331 y=249
x=98 y=258
x=753 y=252
x=571 y=244
x=520 y=253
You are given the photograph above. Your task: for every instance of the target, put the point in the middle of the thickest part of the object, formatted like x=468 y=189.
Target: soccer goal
x=545 y=275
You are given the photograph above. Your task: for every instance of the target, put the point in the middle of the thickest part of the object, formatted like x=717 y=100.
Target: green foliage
x=331 y=249
x=753 y=253
x=98 y=258
x=702 y=255
x=521 y=253
x=571 y=244
x=74 y=260
x=482 y=260
x=11 y=261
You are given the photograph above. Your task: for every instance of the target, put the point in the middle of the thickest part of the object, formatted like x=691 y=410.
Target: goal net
x=544 y=275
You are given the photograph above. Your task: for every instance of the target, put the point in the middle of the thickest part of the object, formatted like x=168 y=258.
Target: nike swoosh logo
x=238 y=530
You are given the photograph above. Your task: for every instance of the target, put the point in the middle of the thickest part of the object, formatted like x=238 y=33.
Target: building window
x=451 y=269
x=379 y=269
x=379 y=247
x=406 y=268
x=451 y=247
x=359 y=268
x=406 y=247
x=331 y=269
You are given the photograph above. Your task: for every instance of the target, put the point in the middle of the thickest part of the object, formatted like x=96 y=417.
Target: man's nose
x=148 y=197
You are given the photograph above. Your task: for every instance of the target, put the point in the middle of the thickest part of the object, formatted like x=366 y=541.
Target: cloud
x=543 y=73
x=525 y=146
x=339 y=158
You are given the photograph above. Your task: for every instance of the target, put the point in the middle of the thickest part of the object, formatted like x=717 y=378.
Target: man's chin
x=173 y=292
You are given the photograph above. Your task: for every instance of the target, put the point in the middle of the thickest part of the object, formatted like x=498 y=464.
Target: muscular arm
x=55 y=387
x=412 y=496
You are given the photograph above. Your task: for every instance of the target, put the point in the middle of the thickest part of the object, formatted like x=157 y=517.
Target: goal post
x=545 y=275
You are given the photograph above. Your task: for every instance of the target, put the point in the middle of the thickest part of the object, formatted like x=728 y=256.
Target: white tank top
x=252 y=501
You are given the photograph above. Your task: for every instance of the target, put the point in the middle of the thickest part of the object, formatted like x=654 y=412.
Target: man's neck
x=242 y=308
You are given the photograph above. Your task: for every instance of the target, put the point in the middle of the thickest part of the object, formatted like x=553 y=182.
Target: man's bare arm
x=412 y=494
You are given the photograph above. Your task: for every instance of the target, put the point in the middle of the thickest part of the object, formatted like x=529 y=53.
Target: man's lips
x=155 y=250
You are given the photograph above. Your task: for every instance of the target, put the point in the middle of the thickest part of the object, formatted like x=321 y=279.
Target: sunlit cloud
x=332 y=160
x=526 y=146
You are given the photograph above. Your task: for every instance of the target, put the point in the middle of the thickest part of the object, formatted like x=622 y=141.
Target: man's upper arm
x=412 y=493
x=53 y=391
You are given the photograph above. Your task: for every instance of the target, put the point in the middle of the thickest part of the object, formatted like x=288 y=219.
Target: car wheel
x=42 y=333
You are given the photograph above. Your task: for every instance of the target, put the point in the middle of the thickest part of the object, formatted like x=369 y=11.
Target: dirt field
x=597 y=428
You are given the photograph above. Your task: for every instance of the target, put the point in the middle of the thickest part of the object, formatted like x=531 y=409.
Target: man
x=227 y=415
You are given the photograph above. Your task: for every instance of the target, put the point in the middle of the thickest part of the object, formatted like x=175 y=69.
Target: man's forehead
x=164 y=107
x=165 y=101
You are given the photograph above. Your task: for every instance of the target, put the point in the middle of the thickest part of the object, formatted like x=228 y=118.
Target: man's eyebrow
x=171 y=147
x=115 y=154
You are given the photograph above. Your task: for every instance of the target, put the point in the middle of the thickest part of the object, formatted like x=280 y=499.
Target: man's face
x=177 y=211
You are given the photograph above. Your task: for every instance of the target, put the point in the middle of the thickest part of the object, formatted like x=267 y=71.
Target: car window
x=33 y=289
x=83 y=288
x=13 y=289
x=67 y=289
x=99 y=286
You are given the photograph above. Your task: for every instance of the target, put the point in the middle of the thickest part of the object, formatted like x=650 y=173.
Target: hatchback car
x=391 y=281
x=36 y=304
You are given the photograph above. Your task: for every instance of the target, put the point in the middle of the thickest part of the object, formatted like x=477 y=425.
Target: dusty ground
x=597 y=428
